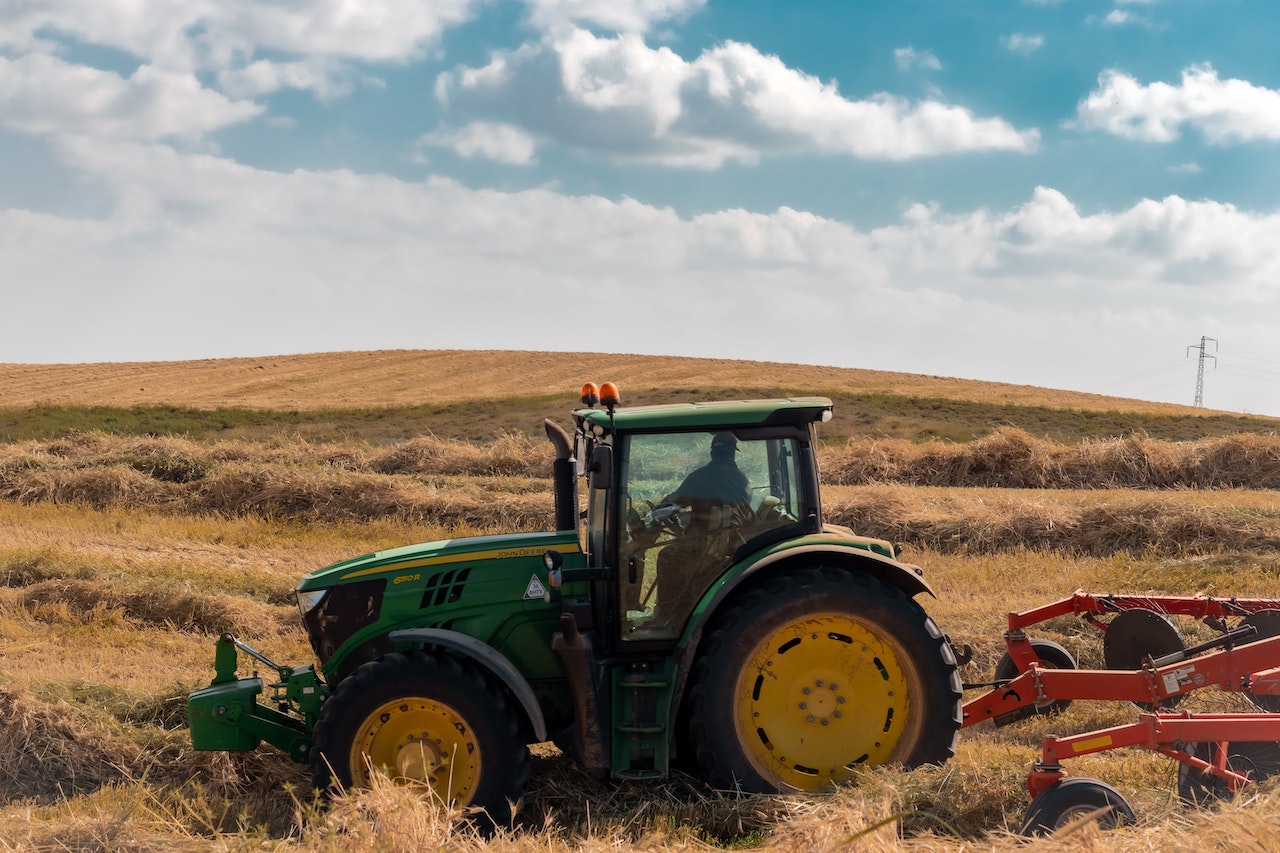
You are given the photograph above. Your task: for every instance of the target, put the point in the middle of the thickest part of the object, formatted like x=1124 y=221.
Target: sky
x=1073 y=194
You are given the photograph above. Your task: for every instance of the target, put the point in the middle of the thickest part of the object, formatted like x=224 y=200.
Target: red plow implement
x=1148 y=664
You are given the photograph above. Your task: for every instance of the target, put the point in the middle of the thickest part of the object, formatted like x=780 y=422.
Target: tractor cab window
x=690 y=502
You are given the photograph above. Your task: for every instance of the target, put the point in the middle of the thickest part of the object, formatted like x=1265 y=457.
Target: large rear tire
x=426 y=720
x=816 y=672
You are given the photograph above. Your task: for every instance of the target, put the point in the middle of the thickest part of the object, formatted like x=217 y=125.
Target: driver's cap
x=724 y=441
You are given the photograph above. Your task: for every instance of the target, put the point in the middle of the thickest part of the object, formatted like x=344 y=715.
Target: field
x=144 y=509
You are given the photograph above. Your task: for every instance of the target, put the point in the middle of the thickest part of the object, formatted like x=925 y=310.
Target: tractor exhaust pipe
x=564 y=480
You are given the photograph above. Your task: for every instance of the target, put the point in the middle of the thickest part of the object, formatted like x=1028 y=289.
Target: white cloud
x=313 y=261
x=324 y=77
x=1023 y=43
x=1223 y=111
x=908 y=57
x=502 y=143
x=1121 y=18
x=213 y=33
x=620 y=98
x=42 y=94
x=231 y=36
x=1186 y=169
x=622 y=16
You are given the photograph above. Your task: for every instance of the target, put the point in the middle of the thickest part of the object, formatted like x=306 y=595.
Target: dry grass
x=99 y=644
x=410 y=377
x=122 y=558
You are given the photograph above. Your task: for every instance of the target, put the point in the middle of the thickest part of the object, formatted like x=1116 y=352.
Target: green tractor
x=692 y=606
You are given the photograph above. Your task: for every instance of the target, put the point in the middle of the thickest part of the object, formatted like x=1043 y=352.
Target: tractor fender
x=905 y=576
x=489 y=658
x=908 y=578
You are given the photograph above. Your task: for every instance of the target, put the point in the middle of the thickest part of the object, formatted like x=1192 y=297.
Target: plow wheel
x=1256 y=759
x=428 y=721
x=1135 y=635
x=814 y=673
x=1076 y=798
x=1052 y=656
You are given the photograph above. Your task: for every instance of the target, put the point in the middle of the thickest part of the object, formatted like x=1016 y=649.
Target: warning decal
x=535 y=589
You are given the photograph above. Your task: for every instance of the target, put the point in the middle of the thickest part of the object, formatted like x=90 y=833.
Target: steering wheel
x=670 y=517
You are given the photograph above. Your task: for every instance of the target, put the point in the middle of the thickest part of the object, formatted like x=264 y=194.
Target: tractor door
x=690 y=503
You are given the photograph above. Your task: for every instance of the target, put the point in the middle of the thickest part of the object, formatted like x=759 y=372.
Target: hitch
x=227 y=715
x=225 y=662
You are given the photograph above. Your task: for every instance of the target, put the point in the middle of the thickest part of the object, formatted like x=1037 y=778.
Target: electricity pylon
x=1200 y=368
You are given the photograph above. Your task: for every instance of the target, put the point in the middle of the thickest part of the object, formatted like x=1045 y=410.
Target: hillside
x=415 y=377
x=393 y=395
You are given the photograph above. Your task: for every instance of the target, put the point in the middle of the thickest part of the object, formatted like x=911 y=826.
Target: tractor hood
x=414 y=558
x=474 y=585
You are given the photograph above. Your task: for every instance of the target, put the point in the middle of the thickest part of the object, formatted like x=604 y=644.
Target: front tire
x=816 y=672
x=1072 y=799
x=426 y=720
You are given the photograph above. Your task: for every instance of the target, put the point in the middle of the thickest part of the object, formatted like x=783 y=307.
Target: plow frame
x=1237 y=661
x=1242 y=662
x=1168 y=733
x=1089 y=606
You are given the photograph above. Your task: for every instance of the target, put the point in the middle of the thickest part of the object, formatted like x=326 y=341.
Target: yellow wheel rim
x=821 y=695
x=418 y=741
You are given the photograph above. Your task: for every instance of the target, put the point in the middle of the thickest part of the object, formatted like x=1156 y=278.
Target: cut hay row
x=168 y=607
x=285 y=492
x=1011 y=458
x=1008 y=458
x=52 y=750
x=956 y=520
x=176 y=459
x=1084 y=523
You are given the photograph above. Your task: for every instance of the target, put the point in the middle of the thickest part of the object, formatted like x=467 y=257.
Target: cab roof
x=726 y=414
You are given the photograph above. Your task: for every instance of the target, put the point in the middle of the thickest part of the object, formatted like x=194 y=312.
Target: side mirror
x=601 y=466
x=553 y=560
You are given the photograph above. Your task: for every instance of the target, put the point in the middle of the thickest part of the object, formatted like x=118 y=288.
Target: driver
x=719 y=497
x=717 y=484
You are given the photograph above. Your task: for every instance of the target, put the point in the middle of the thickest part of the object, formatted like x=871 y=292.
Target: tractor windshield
x=691 y=501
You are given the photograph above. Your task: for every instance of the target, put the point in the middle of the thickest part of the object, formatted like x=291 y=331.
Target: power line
x=1273 y=377
x=1176 y=365
x=1256 y=371
x=1250 y=357
x=1162 y=387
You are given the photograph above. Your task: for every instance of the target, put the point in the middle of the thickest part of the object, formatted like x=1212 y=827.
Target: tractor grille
x=345 y=610
x=444 y=588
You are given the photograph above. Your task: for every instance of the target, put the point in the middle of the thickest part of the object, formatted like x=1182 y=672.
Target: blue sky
x=1066 y=194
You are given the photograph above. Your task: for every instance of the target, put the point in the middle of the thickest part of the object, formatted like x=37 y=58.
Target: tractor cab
x=677 y=494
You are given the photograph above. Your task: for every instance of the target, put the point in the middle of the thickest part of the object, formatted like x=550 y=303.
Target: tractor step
x=641 y=728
